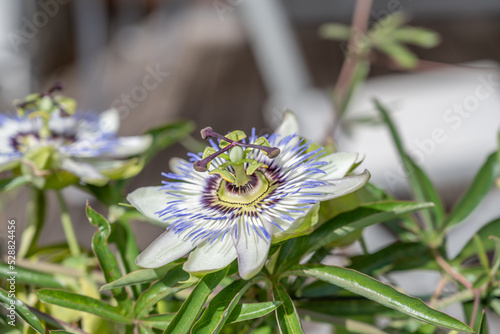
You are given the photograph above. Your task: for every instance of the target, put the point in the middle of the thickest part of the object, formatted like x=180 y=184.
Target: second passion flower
x=229 y=201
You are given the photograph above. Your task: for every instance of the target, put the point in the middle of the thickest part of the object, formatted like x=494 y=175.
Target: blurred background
x=238 y=64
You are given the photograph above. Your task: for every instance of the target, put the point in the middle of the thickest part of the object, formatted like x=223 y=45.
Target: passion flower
x=230 y=201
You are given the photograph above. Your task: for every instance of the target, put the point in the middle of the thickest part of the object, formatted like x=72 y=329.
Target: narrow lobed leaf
x=142 y=276
x=286 y=314
x=481 y=185
x=244 y=312
x=220 y=308
x=192 y=306
x=82 y=303
x=384 y=294
x=165 y=287
x=106 y=257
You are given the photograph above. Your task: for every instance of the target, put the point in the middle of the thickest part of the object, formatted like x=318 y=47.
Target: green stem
x=68 y=226
x=36 y=220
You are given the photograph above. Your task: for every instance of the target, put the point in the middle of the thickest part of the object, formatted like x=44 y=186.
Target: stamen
x=208 y=132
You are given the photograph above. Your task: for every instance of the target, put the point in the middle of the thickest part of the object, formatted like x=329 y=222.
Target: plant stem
x=477 y=298
x=36 y=214
x=68 y=226
x=351 y=64
x=439 y=290
x=450 y=271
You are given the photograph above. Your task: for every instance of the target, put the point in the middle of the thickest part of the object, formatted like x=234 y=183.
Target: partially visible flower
x=49 y=139
x=240 y=198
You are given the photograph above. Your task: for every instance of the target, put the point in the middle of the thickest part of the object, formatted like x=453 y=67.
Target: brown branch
x=477 y=297
x=439 y=290
x=450 y=271
x=358 y=28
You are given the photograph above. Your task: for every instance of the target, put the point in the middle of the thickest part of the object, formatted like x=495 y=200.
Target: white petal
x=85 y=171
x=340 y=187
x=109 y=121
x=128 y=146
x=289 y=125
x=252 y=249
x=213 y=256
x=149 y=201
x=338 y=164
x=300 y=219
x=166 y=248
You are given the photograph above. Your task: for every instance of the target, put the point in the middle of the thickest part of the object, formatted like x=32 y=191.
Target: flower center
x=248 y=194
x=23 y=141
x=42 y=106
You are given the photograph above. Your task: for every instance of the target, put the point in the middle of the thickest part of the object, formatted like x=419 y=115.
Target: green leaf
x=420 y=183
x=244 y=312
x=483 y=325
x=160 y=321
x=345 y=223
x=124 y=238
x=220 y=308
x=418 y=36
x=192 y=306
x=286 y=314
x=318 y=289
x=14 y=182
x=37 y=278
x=481 y=253
x=335 y=31
x=351 y=307
x=484 y=233
x=21 y=310
x=429 y=192
x=397 y=256
x=481 y=185
x=142 y=276
x=106 y=258
x=82 y=303
x=163 y=288
x=36 y=221
x=399 y=53
x=384 y=294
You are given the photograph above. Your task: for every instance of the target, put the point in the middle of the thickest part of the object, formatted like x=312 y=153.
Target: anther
x=200 y=166
x=206 y=132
